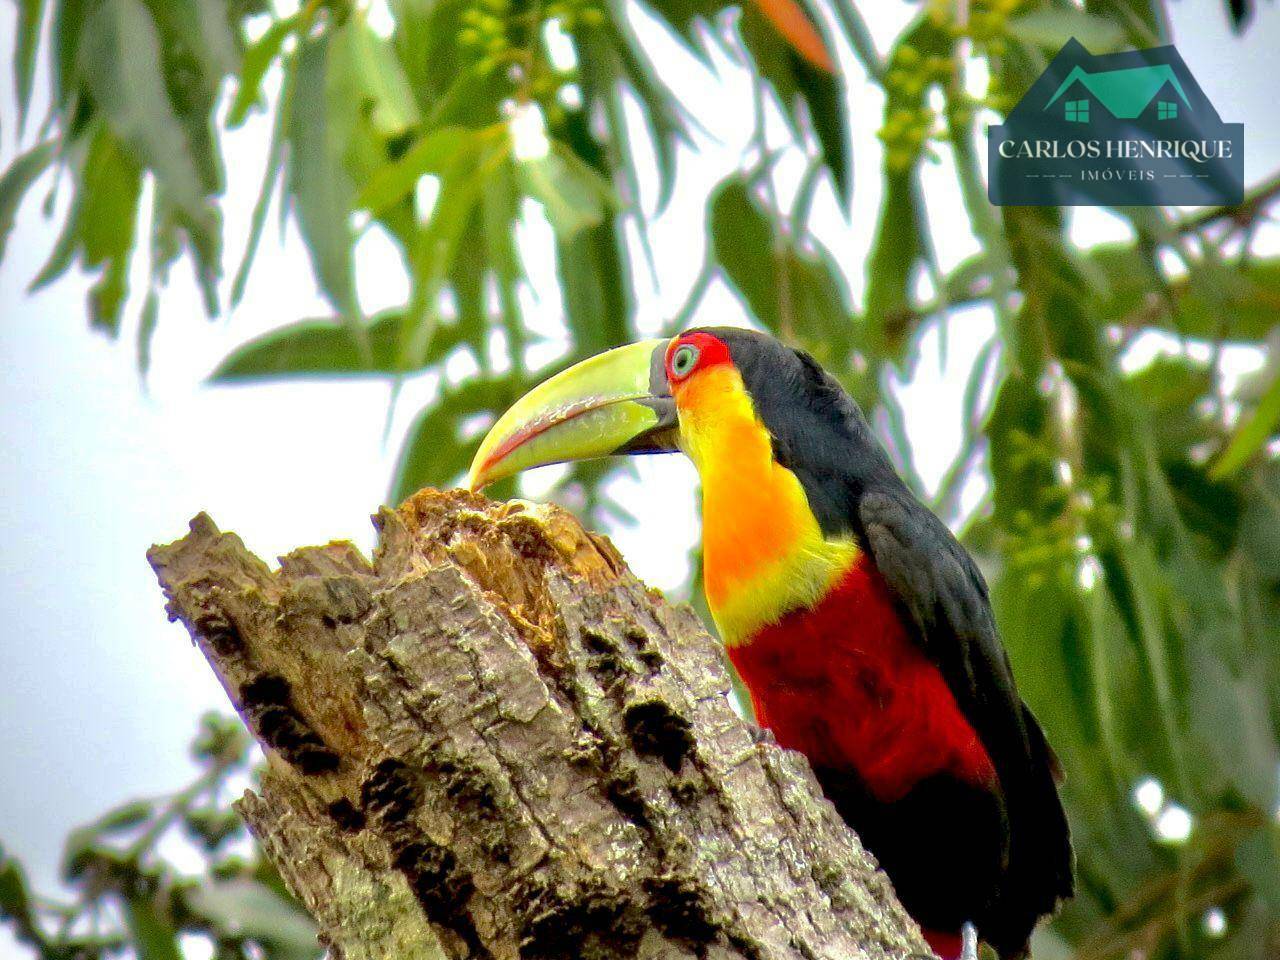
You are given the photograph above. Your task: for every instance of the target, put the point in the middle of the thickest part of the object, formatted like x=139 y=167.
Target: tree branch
x=495 y=742
x=1253 y=206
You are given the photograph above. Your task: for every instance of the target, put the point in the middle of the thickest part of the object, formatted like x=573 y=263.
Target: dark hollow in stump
x=495 y=742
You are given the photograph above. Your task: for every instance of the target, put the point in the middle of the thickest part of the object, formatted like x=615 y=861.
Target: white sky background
x=99 y=694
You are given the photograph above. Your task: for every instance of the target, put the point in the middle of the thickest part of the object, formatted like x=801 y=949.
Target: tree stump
x=493 y=741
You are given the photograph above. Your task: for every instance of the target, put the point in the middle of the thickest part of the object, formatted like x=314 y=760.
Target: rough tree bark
x=495 y=742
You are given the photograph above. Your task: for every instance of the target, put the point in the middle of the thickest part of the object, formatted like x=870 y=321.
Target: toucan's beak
x=615 y=402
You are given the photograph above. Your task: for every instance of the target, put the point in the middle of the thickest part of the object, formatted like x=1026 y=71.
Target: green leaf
x=795 y=77
x=348 y=98
x=110 y=186
x=897 y=250
x=574 y=195
x=500 y=210
x=1019 y=468
x=122 y=59
x=468 y=279
x=125 y=817
x=383 y=90
x=1260 y=525
x=901 y=243
x=153 y=936
x=1051 y=28
x=123 y=63
x=796 y=293
x=1145 y=22
x=199 y=45
x=434 y=452
x=257 y=60
x=1258 y=859
x=437 y=153
x=68 y=24
x=1252 y=434
x=1035 y=625
x=247 y=908
x=107 y=296
x=101 y=226
x=30 y=15
x=15 y=898
x=317 y=177
x=1231 y=715
x=106 y=220
x=324 y=348
x=1142 y=591
x=258 y=220
x=270 y=175
x=434 y=248
x=15 y=182
x=84 y=845
x=612 y=60
x=593 y=284
x=63 y=253
x=147 y=322
x=681 y=16
x=440 y=70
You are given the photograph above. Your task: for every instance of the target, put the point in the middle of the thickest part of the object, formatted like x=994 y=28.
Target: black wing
x=940 y=588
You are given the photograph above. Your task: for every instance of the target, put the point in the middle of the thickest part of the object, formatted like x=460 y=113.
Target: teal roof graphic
x=1125 y=93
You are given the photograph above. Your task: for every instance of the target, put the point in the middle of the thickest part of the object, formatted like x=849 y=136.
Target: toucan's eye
x=684 y=360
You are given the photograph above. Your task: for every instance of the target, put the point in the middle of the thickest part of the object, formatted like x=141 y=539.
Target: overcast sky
x=100 y=693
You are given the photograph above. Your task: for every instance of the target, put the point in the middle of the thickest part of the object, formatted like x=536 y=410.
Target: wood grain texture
x=494 y=742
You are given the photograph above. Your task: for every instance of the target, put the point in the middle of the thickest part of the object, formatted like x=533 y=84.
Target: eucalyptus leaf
x=17 y=180
x=153 y=935
x=258 y=58
x=794 y=292
x=270 y=176
x=434 y=451
x=437 y=153
x=383 y=90
x=1051 y=28
x=324 y=348
x=573 y=194
x=30 y=16
x=248 y=908
x=1253 y=432
x=15 y=895
x=123 y=64
x=321 y=186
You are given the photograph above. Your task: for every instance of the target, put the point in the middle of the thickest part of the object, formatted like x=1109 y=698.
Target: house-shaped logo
x=1130 y=128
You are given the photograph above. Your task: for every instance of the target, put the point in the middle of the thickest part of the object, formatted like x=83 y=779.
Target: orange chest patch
x=763 y=550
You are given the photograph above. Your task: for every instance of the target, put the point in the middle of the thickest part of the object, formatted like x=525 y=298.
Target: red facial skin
x=711 y=351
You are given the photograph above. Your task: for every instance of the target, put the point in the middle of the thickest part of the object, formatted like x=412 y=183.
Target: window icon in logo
x=1166 y=110
x=1077 y=111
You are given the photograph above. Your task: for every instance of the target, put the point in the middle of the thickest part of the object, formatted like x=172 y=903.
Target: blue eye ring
x=684 y=359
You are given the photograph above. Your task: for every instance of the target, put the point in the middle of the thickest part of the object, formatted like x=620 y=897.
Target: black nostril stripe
x=658 y=385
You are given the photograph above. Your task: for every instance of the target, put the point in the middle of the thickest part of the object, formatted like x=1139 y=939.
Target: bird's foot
x=968 y=942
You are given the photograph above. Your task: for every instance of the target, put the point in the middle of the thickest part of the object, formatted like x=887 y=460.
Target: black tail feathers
x=1040 y=867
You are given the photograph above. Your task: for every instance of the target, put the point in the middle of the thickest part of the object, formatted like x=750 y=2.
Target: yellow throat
x=764 y=553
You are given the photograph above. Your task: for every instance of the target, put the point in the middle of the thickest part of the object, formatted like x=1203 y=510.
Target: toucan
x=860 y=626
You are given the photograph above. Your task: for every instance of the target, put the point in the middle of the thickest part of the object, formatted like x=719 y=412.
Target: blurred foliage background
x=1127 y=515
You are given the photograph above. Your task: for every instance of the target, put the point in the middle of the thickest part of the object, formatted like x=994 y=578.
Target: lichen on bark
x=493 y=741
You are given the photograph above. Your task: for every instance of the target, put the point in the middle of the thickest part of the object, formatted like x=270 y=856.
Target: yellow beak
x=615 y=402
